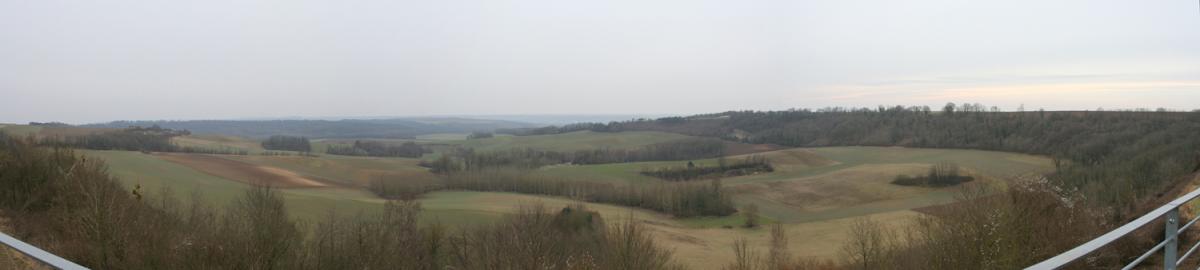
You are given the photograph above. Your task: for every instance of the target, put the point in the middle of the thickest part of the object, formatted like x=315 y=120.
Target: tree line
x=153 y=139
x=479 y=135
x=69 y=205
x=677 y=199
x=145 y=139
x=467 y=159
x=749 y=165
x=287 y=143
x=378 y=149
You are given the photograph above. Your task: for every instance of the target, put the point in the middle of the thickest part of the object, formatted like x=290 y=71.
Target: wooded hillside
x=1114 y=158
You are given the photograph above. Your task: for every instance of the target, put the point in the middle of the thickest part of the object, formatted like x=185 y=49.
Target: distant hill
x=565 y=119
x=351 y=128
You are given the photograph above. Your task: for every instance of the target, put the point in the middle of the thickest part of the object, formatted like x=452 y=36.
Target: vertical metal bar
x=1172 y=248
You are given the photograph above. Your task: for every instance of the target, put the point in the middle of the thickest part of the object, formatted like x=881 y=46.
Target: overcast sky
x=91 y=61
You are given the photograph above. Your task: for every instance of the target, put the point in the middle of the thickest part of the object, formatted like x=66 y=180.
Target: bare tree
x=866 y=246
x=744 y=257
x=778 y=258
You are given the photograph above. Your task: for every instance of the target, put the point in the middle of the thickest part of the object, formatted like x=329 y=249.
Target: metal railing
x=46 y=258
x=1169 y=245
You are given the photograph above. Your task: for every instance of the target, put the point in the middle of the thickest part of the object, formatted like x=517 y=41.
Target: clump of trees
x=940 y=175
x=678 y=199
x=287 y=143
x=403 y=186
x=479 y=135
x=68 y=205
x=378 y=149
x=751 y=215
x=750 y=165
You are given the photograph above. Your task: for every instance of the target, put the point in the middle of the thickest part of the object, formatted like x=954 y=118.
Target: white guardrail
x=46 y=258
x=1169 y=245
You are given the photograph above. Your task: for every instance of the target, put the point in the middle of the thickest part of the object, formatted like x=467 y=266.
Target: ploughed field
x=814 y=192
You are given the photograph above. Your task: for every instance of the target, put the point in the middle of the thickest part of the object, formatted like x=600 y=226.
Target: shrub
x=940 y=175
x=287 y=143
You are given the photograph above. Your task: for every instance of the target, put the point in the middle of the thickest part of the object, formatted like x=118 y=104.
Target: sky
x=96 y=61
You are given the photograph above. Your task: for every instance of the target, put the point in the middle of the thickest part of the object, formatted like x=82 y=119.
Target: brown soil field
x=243 y=172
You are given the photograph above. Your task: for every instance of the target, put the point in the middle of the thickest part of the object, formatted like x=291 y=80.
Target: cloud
x=1060 y=91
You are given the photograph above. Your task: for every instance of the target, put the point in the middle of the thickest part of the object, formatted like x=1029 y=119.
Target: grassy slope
x=219 y=142
x=858 y=183
x=353 y=171
x=452 y=208
x=154 y=174
x=846 y=183
x=862 y=174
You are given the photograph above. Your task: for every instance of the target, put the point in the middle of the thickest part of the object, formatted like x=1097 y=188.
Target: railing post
x=1172 y=247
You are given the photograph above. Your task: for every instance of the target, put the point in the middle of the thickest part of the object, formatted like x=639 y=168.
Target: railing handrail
x=1080 y=251
x=47 y=258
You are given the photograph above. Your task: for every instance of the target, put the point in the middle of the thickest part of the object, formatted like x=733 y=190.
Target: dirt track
x=242 y=172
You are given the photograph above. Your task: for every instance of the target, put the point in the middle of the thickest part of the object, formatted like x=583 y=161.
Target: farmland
x=815 y=192
x=583 y=140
